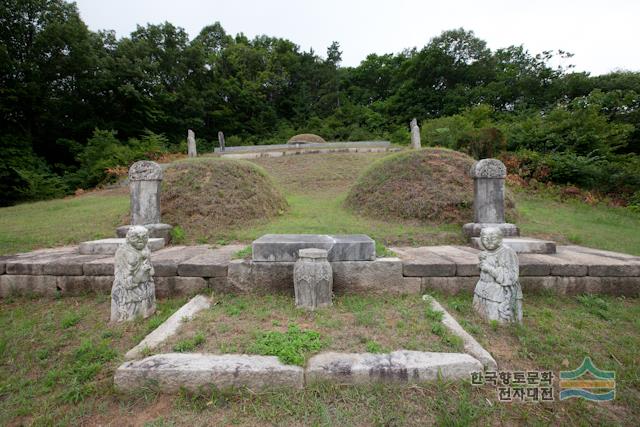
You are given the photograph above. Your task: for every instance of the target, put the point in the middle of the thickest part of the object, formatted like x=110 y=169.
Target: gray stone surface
x=471 y=346
x=523 y=245
x=312 y=279
x=133 y=294
x=162 y=231
x=285 y=247
x=101 y=266
x=473 y=229
x=212 y=263
x=166 y=261
x=600 y=265
x=260 y=277
x=305 y=150
x=179 y=286
x=110 y=246
x=415 y=134
x=221 y=140
x=36 y=261
x=170 y=326
x=173 y=371
x=466 y=261
x=192 y=150
x=145 y=178
x=449 y=285
x=379 y=276
x=317 y=145
x=399 y=366
x=420 y=262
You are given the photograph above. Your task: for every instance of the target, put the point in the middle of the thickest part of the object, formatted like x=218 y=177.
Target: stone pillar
x=488 y=198
x=145 y=179
x=415 y=134
x=191 y=144
x=312 y=279
x=221 y=140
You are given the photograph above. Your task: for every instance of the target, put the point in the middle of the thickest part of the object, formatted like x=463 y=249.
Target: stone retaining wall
x=184 y=270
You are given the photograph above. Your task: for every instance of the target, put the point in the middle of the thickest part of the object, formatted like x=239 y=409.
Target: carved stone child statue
x=498 y=295
x=133 y=293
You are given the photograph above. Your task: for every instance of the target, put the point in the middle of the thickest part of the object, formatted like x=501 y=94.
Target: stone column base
x=162 y=231
x=473 y=229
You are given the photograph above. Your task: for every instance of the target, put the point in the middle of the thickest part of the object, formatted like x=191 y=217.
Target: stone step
x=523 y=245
x=110 y=246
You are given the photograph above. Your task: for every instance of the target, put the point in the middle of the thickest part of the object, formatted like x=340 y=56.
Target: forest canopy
x=76 y=104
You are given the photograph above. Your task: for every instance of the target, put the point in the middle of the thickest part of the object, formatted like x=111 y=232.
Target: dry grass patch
x=238 y=324
x=202 y=196
x=431 y=185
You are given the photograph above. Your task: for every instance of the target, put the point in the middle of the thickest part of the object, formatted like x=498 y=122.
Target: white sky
x=604 y=35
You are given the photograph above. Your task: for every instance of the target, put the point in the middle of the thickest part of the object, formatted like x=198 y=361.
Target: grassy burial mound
x=204 y=195
x=431 y=185
x=305 y=138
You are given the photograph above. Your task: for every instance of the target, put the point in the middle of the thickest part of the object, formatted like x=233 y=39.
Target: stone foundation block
x=173 y=371
x=173 y=286
x=262 y=277
x=400 y=366
x=381 y=275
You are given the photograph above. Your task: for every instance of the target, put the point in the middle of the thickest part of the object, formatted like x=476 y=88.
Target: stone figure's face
x=137 y=237
x=491 y=239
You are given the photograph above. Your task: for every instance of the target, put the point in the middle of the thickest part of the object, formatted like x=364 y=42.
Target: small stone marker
x=145 y=179
x=488 y=198
x=415 y=134
x=133 y=293
x=191 y=144
x=312 y=279
x=498 y=295
x=221 y=140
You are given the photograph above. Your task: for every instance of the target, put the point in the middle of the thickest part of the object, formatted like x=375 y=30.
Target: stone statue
x=498 y=295
x=133 y=293
x=192 y=151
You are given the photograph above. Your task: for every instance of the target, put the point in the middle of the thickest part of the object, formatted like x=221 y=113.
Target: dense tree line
x=75 y=103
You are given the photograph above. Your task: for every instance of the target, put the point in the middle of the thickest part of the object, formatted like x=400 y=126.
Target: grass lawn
x=61 y=222
x=315 y=187
x=57 y=359
x=354 y=324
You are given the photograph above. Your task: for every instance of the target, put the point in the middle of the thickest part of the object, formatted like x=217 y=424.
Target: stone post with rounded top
x=145 y=179
x=488 y=198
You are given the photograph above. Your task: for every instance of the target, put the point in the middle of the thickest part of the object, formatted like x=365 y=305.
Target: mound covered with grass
x=202 y=195
x=431 y=185
x=305 y=138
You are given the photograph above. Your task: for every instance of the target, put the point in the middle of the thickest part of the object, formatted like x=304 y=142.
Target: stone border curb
x=171 y=372
x=170 y=326
x=471 y=346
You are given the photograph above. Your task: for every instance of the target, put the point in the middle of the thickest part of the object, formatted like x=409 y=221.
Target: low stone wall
x=186 y=270
x=276 y=147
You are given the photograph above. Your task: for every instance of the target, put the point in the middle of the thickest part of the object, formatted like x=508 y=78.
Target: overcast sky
x=603 y=35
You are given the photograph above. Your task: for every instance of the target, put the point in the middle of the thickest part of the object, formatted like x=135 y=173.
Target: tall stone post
x=145 y=179
x=221 y=140
x=488 y=199
x=415 y=134
x=191 y=144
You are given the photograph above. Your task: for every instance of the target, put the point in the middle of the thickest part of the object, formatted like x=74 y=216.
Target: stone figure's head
x=491 y=238
x=138 y=236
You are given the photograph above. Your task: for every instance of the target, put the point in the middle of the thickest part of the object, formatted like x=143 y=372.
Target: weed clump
x=291 y=347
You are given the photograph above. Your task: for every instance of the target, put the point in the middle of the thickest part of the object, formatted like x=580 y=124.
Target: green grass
x=292 y=347
x=315 y=187
x=576 y=222
x=55 y=376
x=61 y=222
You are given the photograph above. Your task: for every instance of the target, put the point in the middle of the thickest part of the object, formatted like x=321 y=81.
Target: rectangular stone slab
x=399 y=366
x=35 y=262
x=523 y=245
x=598 y=265
x=210 y=263
x=109 y=246
x=166 y=261
x=194 y=371
x=422 y=262
x=285 y=247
